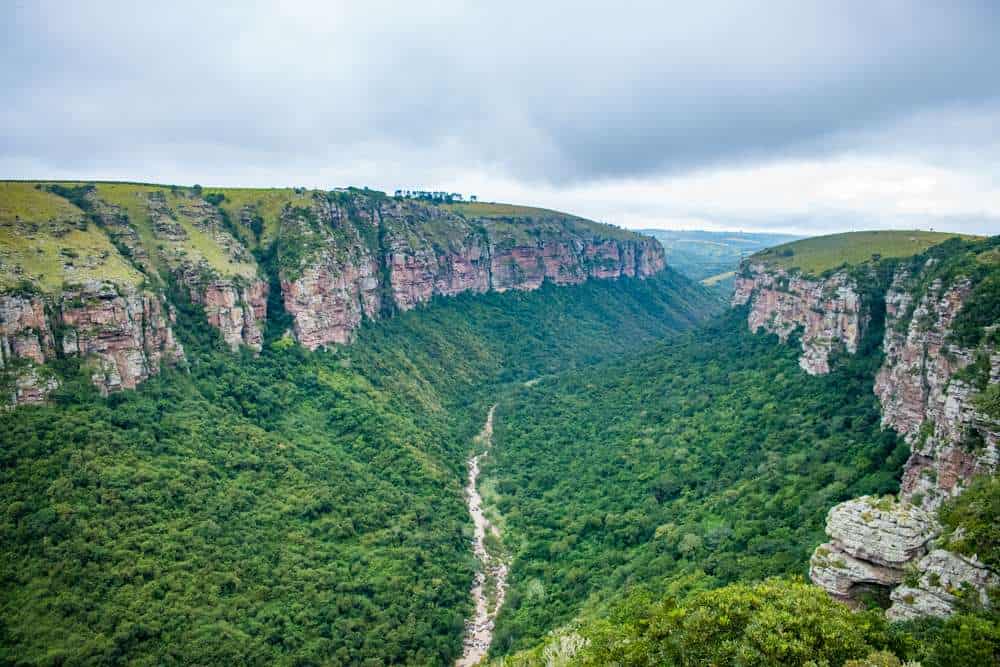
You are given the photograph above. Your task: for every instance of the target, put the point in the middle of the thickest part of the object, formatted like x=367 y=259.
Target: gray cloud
x=555 y=93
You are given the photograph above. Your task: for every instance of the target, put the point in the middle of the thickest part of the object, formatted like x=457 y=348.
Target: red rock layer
x=236 y=310
x=423 y=251
x=126 y=336
x=924 y=401
x=829 y=311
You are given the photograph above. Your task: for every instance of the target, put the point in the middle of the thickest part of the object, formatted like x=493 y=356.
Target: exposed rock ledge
x=924 y=401
x=889 y=543
x=828 y=311
x=872 y=539
x=124 y=334
x=882 y=543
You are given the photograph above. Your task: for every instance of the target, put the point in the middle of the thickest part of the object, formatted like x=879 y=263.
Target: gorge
x=239 y=428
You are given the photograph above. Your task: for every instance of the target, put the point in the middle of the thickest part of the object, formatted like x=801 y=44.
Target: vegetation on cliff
x=775 y=622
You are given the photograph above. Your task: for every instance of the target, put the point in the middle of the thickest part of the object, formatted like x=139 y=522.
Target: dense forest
x=286 y=508
x=693 y=464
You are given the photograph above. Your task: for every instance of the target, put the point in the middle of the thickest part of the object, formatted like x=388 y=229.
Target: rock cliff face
x=237 y=311
x=197 y=251
x=924 y=397
x=926 y=389
x=102 y=256
x=123 y=333
x=348 y=258
x=829 y=312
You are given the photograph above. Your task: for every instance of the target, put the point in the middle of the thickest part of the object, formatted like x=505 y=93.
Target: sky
x=770 y=116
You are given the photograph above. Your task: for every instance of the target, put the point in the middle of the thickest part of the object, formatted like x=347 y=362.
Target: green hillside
x=46 y=242
x=820 y=254
x=688 y=466
x=662 y=508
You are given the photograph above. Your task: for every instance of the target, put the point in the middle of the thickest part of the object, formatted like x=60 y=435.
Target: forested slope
x=688 y=466
x=289 y=508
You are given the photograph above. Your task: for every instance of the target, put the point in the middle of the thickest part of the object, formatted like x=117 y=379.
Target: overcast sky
x=772 y=116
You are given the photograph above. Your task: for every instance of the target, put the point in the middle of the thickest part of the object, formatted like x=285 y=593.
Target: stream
x=492 y=573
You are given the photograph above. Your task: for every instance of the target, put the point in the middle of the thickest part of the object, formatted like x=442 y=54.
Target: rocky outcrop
x=236 y=310
x=24 y=329
x=827 y=312
x=236 y=305
x=880 y=530
x=341 y=257
x=944 y=581
x=26 y=342
x=872 y=539
x=127 y=335
x=924 y=400
x=331 y=279
x=926 y=389
x=123 y=333
x=348 y=257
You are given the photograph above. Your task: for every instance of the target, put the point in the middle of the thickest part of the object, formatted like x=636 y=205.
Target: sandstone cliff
x=827 y=312
x=192 y=247
x=85 y=268
x=926 y=386
x=123 y=335
x=350 y=256
x=924 y=395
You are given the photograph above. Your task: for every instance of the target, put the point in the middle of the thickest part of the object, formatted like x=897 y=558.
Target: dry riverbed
x=490 y=584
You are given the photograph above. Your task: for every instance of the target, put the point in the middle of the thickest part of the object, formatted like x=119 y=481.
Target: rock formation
x=229 y=289
x=237 y=311
x=871 y=540
x=924 y=400
x=352 y=257
x=338 y=257
x=884 y=542
x=926 y=394
x=943 y=579
x=123 y=333
x=828 y=312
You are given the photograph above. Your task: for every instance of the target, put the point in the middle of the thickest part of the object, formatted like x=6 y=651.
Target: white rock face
x=880 y=530
x=945 y=576
x=840 y=573
x=829 y=311
x=872 y=539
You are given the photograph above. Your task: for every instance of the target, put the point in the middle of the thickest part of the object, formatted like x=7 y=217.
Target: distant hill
x=822 y=253
x=704 y=255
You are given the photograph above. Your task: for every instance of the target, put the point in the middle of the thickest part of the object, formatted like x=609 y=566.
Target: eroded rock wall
x=925 y=399
x=348 y=258
x=236 y=308
x=923 y=385
x=827 y=312
x=124 y=334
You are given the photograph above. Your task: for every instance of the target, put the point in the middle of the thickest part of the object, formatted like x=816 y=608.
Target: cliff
x=125 y=336
x=939 y=359
x=89 y=270
x=347 y=256
x=828 y=312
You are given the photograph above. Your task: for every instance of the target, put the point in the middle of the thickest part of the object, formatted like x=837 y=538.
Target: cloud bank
x=792 y=115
